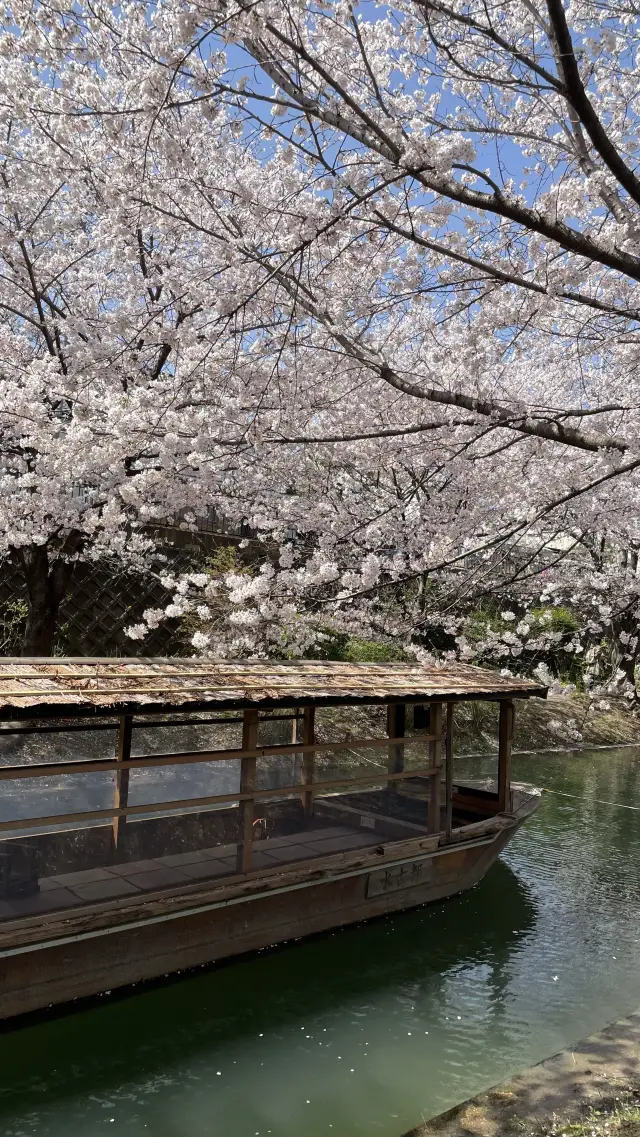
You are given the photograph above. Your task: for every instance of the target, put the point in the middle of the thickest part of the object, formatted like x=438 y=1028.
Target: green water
x=368 y=1030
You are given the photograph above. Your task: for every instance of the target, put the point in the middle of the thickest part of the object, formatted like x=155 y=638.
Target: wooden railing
x=248 y=754
x=440 y=732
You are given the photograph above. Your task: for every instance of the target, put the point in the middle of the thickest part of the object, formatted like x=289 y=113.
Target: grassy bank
x=561 y=721
x=620 y=1117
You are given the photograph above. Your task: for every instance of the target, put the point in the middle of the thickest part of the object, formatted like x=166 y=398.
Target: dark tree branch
x=576 y=95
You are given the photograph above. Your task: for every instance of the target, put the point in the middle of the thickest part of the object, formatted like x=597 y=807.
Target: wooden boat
x=96 y=899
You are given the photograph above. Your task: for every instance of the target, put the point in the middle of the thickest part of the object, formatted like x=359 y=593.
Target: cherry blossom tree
x=370 y=123
x=386 y=297
x=452 y=222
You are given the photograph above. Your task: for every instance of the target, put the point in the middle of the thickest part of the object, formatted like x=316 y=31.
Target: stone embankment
x=591 y=1089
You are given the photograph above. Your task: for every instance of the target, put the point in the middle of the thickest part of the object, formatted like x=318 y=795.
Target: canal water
x=371 y=1029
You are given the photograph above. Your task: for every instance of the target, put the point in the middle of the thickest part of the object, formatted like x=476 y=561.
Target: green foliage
x=548 y=619
x=557 y=621
x=225 y=559
x=368 y=651
x=340 y=646
x=554 y=619
x=480 y=622
x=222 y=560
x=13 y=618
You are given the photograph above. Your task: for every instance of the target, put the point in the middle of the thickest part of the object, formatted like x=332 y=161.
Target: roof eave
x=89 y=710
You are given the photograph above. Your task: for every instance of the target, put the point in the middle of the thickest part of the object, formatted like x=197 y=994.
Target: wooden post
x=297 y=758
x=505 y=736
x=449 y=771
x=396 y=725
x=435 y=759
x=247 y=784
x=308 y=760
x=121 y=795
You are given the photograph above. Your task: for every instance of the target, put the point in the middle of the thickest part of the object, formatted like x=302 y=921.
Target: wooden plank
x=505 y=735
x=68 y=729
x=140 y=761
x=212 y=799
x=389 y=827
x=396 y=726
x=308 y=761
x=397 y=877
x=140 y=724
x=121 y=793
x=247 y=789
x=448 y=793
x=435 y=760
x=466 y=804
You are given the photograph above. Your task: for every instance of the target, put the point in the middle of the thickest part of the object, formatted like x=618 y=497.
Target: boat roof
x=74 y=687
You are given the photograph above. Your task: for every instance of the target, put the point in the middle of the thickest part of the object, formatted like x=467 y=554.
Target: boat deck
x=92 y=885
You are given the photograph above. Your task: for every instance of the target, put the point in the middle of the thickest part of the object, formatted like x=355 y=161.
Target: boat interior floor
x=60 y=888
x=95 y=884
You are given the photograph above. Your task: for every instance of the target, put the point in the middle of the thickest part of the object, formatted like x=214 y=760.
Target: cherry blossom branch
x=553 y=431
x=392 y=432
x=485 y=546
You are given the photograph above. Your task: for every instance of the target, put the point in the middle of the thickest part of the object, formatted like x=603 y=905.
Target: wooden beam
x=121 y=794
x=505 y=735
x=308 y=760
x=247 y=788
x=294 y=739
x=448 y=797
x=140 y=761
x=140 y=724
x=191 y=803
x=435 y=760
x=396 y=727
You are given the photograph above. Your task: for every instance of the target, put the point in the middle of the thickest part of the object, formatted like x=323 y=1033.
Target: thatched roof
x=30 y=688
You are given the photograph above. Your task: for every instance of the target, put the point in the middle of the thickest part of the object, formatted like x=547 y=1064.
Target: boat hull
x=85 y=953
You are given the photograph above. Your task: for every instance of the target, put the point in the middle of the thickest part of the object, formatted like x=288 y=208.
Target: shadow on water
x=266 y=993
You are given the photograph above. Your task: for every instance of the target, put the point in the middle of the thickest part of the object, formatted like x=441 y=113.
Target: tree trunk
x=47 y=578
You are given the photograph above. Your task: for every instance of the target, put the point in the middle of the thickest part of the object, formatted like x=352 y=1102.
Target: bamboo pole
x=247 y=789
x=396 y=726
x=505 y=735
x=121 y=793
